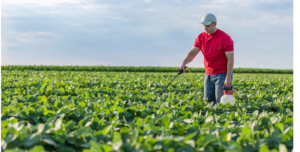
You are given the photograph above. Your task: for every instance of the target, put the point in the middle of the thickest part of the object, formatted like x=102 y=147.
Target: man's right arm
x=190 y=56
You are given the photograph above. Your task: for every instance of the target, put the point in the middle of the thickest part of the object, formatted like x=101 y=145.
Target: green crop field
x=94 y=111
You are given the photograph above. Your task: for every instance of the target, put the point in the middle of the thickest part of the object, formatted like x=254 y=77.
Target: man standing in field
x=217 y=49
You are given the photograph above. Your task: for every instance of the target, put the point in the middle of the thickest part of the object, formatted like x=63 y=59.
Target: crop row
x=132 y=69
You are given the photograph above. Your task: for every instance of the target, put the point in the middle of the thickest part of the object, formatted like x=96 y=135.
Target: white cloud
x=92 y=30
x=39 y=2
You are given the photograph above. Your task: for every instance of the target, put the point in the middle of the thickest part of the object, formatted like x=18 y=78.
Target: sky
x=142 y=32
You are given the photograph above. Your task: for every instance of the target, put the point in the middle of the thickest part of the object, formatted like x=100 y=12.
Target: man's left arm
x=230 y=60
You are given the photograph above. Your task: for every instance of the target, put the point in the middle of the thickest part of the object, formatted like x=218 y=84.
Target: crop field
x=121 y=111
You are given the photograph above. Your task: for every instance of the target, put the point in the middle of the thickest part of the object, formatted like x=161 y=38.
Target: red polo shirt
x=213 y=46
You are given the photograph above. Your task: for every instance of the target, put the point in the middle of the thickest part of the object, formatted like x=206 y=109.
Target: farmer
x=217 y=49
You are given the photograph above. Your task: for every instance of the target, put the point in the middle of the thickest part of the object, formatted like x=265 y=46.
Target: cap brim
x=205 y=22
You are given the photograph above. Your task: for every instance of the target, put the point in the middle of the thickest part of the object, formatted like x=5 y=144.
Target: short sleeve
x=227 y=44
x=197 y=42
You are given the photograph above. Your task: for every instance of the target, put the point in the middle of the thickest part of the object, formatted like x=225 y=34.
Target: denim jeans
x=213 y=87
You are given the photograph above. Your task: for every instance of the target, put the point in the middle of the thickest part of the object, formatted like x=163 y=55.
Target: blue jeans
x=213 y=87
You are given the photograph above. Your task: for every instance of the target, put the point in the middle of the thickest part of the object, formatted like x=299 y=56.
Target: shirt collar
x=212 y=34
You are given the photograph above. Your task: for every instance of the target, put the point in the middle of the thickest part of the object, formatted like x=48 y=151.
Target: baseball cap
x=208 y=19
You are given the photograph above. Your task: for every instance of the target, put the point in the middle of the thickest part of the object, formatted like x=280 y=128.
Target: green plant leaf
x=209 y=119
x=188 y=120
x=282 y=148
x=117 y=141
x=280 y=126
x=44 y=99
x=190 y=136
x=10 y=138
x=264 y=148
x=32 y=139
x=70 y=124
x=107 y=129
x=222 y=116
x=37 y=148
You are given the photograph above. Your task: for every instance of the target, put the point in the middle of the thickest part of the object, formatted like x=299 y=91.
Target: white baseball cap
x=208 y=19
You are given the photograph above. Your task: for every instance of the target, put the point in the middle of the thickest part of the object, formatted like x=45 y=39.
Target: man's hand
x=228 y=82
x=183 y=68
x=189 y=57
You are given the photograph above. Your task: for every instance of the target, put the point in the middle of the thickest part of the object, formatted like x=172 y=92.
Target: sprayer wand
x=180 y=71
